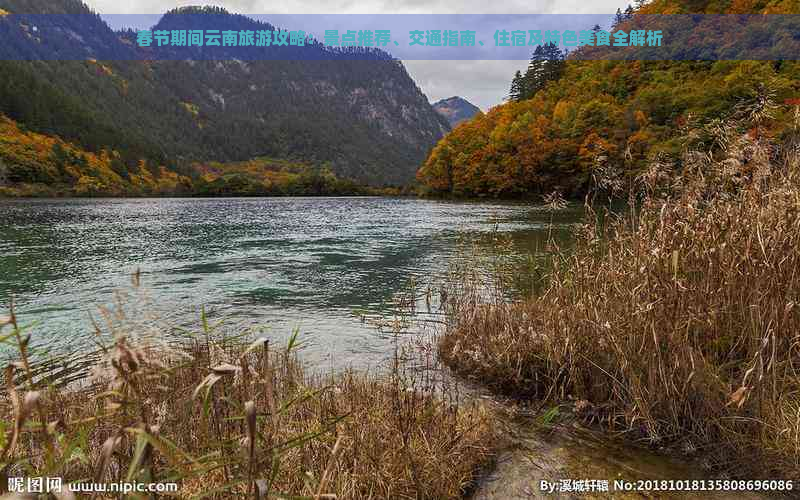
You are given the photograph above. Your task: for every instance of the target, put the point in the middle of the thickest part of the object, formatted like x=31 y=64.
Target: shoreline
x=674 y=323
x=520 y=448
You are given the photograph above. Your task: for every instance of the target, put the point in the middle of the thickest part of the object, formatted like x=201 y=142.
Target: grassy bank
x=677 y=322
x=226 y=419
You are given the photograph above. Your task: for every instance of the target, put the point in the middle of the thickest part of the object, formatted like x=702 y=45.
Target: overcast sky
x=484 y=83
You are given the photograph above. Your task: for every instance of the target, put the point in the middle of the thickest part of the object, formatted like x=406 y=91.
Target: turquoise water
x=318 y=264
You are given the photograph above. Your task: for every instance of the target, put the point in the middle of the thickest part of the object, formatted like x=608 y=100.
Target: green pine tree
x=618 y=19
x=547 y=64
x=515 y=93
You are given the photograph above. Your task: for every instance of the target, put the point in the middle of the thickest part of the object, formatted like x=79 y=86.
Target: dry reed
x=229 y=420
x=678 y=321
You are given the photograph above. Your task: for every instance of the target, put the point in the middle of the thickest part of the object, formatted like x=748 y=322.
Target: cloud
x=483 y=83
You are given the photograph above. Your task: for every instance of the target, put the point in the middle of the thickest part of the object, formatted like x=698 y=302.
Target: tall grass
x=678 y=322
x=226 y=418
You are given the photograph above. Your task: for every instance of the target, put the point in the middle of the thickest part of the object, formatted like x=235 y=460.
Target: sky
x=483 y=83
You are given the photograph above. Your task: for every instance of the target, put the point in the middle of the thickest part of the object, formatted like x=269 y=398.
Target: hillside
x=606 y=121
x=722 y=7
x=366 y=119
x=456 y=109
x=34 y=164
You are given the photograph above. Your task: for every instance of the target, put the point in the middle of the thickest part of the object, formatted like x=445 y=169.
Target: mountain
x=456 y=110
x=606 y=122
x=362 y=119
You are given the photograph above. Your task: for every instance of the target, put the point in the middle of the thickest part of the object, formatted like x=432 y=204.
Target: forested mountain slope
x=610 y=119
x=365 y=119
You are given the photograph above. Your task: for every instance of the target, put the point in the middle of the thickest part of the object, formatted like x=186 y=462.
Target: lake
x=317 y=264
